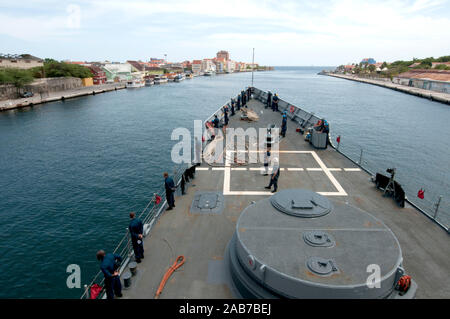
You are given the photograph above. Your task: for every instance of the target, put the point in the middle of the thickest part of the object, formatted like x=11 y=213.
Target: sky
x=315 y=32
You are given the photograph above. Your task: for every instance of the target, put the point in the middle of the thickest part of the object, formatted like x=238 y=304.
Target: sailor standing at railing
x=170 y=189
x=109 y=265
x=269 y=99
x=136 y=232
x=275 y=103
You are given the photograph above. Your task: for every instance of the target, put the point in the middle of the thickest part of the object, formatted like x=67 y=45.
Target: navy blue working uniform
x=284 y=125
x=170 y=188
x=108 y=266
x=326 y=129
x=275 y=103
x=226 y=118
x=137 y=228
x=216 y=122
x=269 y=99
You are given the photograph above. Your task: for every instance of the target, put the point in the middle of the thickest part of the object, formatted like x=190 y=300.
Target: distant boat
x=161 y=79
x=135 y=83
x=180 y=77
x=208 y=73
x=149 y=82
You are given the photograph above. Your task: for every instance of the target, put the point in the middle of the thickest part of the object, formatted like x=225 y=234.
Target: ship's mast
x=253 y=64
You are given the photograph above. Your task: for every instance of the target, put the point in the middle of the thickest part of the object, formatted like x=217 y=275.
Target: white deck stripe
x=299 y=169
x=323 y=167
x=218 y=168
x=202 y=168
x=333 y=180
x=352 y=169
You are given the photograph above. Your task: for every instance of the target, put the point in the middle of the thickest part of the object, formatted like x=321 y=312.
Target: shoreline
x=431 y=95
x=11 y=104
x=7 y=105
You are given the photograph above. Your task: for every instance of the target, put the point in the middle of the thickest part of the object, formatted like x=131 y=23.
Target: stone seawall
x=41 y=86
x=432 y=95
x=39 y=98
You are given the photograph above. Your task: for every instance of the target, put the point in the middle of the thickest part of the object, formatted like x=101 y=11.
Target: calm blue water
x=71 y=171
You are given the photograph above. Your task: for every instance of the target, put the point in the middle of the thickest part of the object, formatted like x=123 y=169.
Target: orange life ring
x=292 y=109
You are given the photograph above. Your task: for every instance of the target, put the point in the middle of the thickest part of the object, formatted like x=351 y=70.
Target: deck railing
x=148 y=216
x=434 y=206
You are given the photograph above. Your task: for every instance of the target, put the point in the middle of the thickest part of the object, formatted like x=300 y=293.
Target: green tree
x=442 y=67
x=372 y=68
x=53 y=68
x=18 y=77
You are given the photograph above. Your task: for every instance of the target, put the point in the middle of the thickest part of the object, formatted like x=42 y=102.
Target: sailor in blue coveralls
x=136 y=231
x=109 y=265
x=275 y=103
x=170 y=189
x=269 y=99
x=284 y=125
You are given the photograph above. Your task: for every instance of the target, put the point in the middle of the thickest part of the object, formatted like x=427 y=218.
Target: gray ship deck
x=202 y=238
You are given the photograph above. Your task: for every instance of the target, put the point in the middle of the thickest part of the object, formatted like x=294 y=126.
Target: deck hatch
x=301 y=203
x=317 y=238
x=207 y=202
x=321 y=266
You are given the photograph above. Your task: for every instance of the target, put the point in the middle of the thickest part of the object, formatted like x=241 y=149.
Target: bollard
x=133 y=267
x=126 y=279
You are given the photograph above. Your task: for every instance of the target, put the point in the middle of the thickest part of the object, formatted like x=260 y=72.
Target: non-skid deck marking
x=293 y=169
x=323 y=167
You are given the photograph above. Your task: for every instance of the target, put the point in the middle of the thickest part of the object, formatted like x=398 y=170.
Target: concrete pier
x=432 y=95
x=62 y=95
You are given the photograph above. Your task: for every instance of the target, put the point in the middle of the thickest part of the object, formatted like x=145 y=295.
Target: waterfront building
x=368 y=61
x=116 y=72
x=22 y=61
x=99 y=76
x=349 y=68
x=196 y=66
x=428 y=79
x=136 y=66
x=208 y=65
x=231 y=66
x=223 y=55
x=157 y=62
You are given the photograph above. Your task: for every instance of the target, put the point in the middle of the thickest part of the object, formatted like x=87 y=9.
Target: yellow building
x=87 y=82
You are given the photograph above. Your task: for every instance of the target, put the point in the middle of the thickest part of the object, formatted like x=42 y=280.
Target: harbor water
x=71 y=171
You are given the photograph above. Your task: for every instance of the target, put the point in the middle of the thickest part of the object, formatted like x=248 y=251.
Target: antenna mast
x=253 y=64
